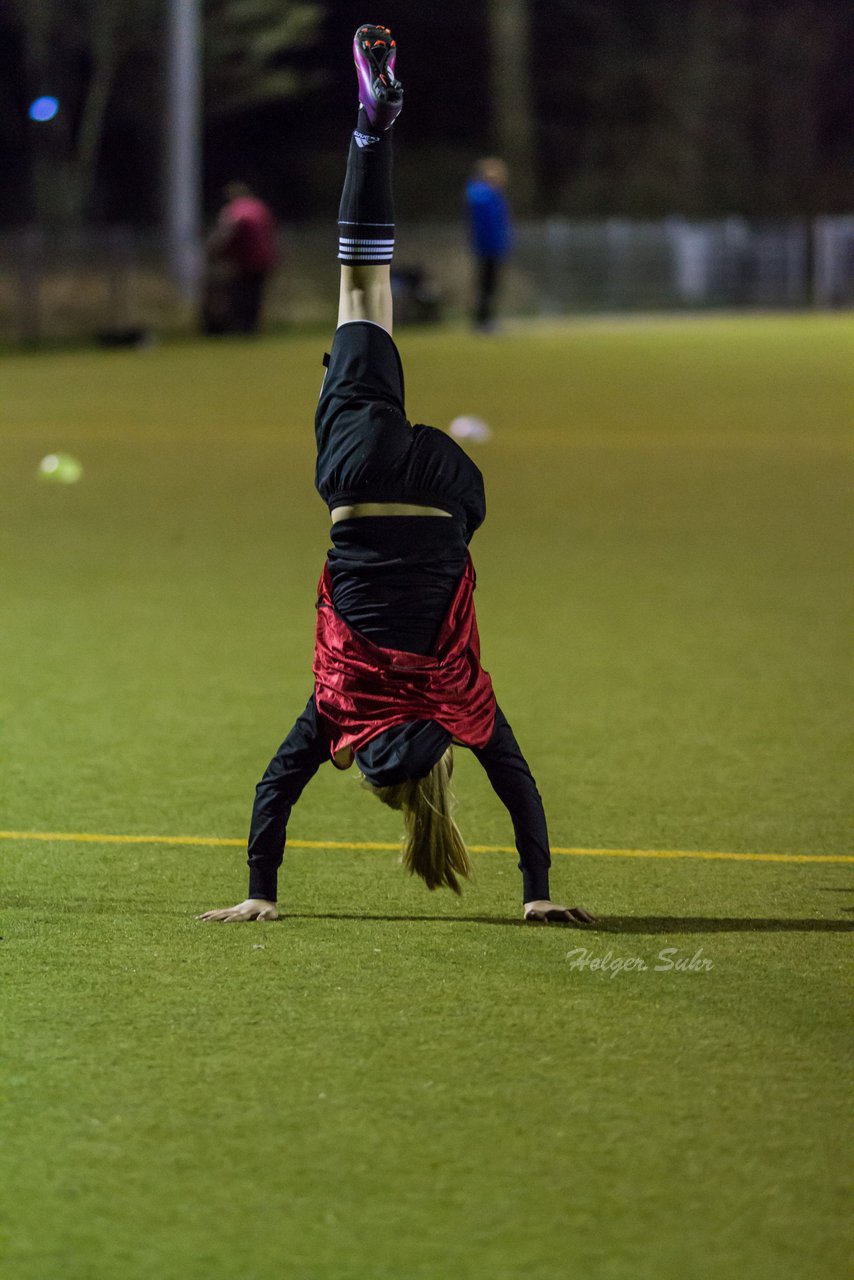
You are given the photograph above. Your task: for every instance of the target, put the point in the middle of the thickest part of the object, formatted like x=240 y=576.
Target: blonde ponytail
x=433 y=847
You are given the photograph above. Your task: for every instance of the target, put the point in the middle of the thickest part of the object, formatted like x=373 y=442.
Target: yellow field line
x=88 y=837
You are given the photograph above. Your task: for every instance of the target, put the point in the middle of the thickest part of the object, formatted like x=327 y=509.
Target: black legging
x=488 y=272
x=247 y=295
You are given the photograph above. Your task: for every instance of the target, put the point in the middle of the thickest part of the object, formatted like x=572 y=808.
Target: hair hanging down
x=433 y=847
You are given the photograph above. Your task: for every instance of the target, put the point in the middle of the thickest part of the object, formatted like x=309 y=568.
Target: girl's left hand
x=543 y=912
x=251 y=909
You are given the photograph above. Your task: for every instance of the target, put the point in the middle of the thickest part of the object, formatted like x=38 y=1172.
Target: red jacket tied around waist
x=361 y=689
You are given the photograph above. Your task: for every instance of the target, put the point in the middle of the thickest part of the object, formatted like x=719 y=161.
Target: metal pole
x=512 y=108
x=183 y=146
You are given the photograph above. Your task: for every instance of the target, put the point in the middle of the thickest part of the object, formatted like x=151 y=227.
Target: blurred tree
x=80 y=50
x=73 y=49
x=699 y=107
x=246 y=42
x=805 y=51
x=636 y=107
x=13 y=124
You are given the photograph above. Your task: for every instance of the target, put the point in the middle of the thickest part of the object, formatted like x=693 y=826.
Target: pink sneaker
x=374 y=53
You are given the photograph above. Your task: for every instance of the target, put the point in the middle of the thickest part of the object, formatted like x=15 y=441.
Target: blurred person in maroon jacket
x=242 y=253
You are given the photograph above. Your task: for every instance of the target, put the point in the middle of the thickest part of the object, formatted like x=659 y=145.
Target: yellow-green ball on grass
x=60 y=468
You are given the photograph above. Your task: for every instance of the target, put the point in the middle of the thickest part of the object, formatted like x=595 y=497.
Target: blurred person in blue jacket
x=491 y=234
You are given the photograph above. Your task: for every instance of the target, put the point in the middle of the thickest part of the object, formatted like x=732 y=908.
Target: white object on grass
x=60 y=468
x=467 y=427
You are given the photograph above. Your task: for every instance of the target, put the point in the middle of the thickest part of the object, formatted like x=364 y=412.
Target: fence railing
x=113 y=280
x=622 y=265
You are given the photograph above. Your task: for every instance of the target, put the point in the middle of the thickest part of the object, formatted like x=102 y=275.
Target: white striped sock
x=365 y=249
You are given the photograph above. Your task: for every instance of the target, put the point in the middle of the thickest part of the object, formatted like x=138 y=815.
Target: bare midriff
x=385 y=509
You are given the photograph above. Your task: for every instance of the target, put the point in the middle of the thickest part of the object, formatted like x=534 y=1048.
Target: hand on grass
x=544 y=912
x=251 y=909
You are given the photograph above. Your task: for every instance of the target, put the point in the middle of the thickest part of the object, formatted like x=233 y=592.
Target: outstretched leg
x=366 y=214
x=365 y=294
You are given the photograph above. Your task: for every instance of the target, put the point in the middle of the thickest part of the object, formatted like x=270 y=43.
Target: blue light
x=43 y=109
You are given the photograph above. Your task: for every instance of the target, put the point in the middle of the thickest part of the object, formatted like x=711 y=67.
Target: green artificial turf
x=387 y=1084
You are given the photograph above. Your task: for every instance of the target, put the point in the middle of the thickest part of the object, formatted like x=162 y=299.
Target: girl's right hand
x=251 y=909
x=544 y=912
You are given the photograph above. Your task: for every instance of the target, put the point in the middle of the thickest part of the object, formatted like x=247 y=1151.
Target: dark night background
x=698 y=107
